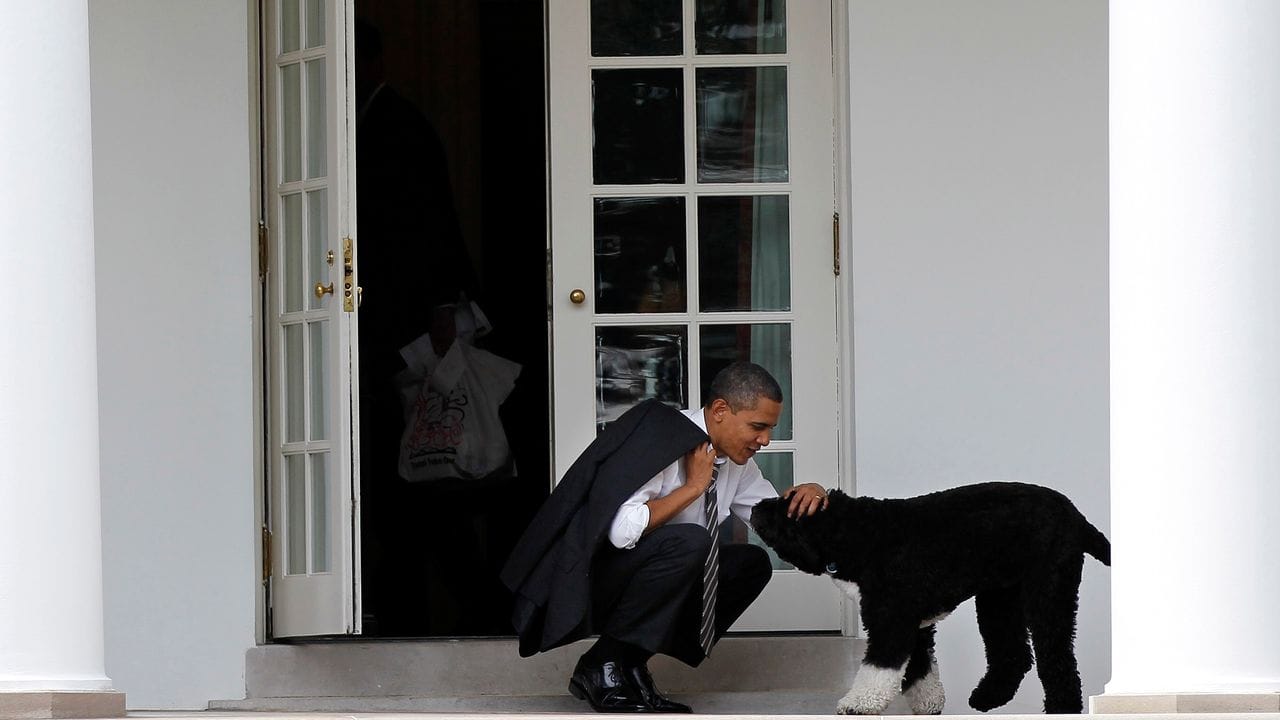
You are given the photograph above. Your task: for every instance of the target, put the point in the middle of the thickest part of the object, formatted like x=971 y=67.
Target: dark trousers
x=650 y=596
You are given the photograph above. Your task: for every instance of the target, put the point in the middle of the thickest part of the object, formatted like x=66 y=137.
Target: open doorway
x=451 y=193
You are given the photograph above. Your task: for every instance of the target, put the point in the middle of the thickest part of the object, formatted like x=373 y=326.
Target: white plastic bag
x=452 y=428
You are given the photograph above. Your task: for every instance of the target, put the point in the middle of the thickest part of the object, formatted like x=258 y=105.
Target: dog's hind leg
x=1004 y=633
x=1051 y=615
x=921 y=686
x=879 y=677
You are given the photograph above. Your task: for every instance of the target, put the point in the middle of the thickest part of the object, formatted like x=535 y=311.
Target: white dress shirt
x=738 y=489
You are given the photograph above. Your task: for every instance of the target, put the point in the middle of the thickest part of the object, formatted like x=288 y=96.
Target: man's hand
x=697 y=467
x=806 y=499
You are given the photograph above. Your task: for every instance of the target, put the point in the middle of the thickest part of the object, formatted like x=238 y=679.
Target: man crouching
x=627 y=546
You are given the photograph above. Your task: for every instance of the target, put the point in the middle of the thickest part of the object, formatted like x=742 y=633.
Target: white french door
x=312 y=294
x=692 y=192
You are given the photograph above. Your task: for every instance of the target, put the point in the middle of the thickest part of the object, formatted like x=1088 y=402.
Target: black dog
x=1016 y=549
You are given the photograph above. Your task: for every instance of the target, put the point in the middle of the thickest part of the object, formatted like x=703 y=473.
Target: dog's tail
x=1095 y=543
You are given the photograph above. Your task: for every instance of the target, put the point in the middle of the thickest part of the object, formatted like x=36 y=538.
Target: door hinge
x=835 y=243
x=266 y=554
x=548 y=297
x=264 y=252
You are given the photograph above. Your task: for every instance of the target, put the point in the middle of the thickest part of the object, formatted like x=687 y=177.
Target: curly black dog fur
x=1017 y=549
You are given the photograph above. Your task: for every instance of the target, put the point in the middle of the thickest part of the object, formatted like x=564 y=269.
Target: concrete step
x=734 y=703
x=797 y=674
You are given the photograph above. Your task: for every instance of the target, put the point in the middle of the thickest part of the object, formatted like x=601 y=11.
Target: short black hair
x=742 y=384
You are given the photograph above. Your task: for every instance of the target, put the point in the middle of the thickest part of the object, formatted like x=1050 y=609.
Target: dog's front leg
x=879 y=677
x=922 y=687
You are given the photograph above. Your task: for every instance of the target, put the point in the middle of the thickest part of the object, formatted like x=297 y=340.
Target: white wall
x=979 y=240
x=171 y=143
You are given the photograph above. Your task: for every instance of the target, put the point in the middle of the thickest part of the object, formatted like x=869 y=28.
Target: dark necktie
x=711 y=569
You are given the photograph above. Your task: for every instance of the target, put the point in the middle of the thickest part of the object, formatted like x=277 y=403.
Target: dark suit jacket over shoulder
x=548 y=570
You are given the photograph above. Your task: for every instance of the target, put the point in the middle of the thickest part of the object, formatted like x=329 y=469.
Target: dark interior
x=451 y=192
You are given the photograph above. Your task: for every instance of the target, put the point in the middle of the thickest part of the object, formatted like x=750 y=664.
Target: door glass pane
x=638 y=363
x=289 y=23
x=294 y=397
x=741 y=27
x=778 y=469
x=317 y=245
x=636 y=27
x=744 y=253
x=317 y=142
x=742 y=124
x=639 y=254
x=319 y=514
x=291 y=123
x=319 y=380
x=638 y=126
x=765 y=344
x=295 y=502
x=315 y=23
x=294 y=286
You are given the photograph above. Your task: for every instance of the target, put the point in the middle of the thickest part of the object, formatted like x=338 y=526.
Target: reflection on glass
x=319 y=381
x=765 y=344
x=295 y=503
x=290 y=123
x=315 y=23
x=635 y=27
x=317 y=234
x=639 y=254
x=778 y=469
x=294 y=399
x=316 y=141
x=744 y=256
x=638 y=363
x=638 y=126
x=319 y=515
x=289 y=23
x=742 y=124
x=743 y=27
x=294 y=286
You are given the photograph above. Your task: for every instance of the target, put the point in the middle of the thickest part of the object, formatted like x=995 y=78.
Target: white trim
x=844 y=283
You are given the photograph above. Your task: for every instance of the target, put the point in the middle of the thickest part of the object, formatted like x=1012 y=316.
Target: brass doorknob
x=322 y=290
x=577 y=297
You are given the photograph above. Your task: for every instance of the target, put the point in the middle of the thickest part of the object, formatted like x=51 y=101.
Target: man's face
x=739 y=435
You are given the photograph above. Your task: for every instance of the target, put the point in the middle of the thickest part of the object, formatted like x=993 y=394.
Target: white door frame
x=844 y=312
x=840 y=54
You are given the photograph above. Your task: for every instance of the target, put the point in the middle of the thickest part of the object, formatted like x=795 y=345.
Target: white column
x=51 y=636
x=1195 y=355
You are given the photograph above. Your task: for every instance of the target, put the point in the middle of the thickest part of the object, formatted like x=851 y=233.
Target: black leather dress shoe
x=657 y=702
x=606 y=689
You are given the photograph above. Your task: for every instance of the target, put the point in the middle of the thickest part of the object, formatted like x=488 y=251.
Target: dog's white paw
x=927 y=696
x=861 y=704
x=873 y=689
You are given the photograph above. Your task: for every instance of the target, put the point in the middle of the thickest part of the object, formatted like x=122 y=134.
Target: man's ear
x=719 y=408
